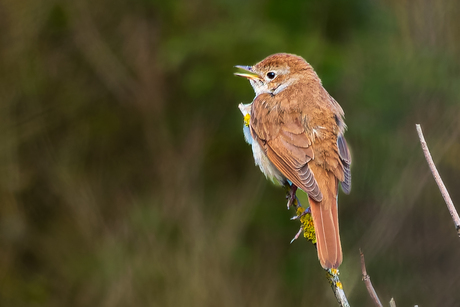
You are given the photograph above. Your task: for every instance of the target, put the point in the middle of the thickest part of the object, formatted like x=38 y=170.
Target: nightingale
x=296 y=130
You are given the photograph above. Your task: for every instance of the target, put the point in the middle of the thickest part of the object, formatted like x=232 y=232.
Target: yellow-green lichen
x=247 y=119
x=307 y=224
x=333 y=277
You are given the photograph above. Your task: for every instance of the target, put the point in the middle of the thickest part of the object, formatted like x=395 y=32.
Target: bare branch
x=336 y=285
x=437 y=178
x=368 y=283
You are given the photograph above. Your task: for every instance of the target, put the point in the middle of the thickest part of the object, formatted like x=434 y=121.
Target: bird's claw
x=296 y=235
x=308 y=210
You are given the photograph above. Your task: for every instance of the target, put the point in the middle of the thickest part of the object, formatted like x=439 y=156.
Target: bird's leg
x=306 y=221
x=290 y=195
x=306 y=226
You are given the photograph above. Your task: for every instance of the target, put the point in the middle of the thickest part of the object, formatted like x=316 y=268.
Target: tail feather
x=325 y=219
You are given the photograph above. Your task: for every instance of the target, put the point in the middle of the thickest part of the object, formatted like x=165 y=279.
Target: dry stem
x=368 y=283
x=437 y=178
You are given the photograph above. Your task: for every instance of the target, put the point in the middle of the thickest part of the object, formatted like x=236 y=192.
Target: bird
x=296 y=131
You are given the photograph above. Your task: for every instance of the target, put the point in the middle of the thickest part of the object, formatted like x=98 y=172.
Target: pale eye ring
x=271 y=75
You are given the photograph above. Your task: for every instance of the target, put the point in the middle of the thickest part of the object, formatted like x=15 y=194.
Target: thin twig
x=368 y=283
x=392 y=302
x=437 y=178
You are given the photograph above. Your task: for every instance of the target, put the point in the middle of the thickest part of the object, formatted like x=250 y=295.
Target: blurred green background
x=125 y=179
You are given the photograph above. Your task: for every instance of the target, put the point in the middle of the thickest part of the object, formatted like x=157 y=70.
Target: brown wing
x=346 y=161
x=285 y=142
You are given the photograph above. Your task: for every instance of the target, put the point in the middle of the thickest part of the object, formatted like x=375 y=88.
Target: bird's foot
x=297 y=235
x=308 y=210
x=291 y=195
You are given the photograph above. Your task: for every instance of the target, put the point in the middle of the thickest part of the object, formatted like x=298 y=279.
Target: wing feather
x=302 y=176
x=285 y=142
x=345 y=156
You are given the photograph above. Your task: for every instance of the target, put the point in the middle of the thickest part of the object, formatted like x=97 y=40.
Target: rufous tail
x=325 y=219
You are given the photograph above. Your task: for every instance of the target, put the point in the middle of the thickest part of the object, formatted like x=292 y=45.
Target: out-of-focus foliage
x=125 y=179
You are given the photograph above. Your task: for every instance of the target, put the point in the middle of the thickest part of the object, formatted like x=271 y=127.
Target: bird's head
x=275 y=73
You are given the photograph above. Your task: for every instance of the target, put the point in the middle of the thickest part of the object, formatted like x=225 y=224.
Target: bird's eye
x=271 y=75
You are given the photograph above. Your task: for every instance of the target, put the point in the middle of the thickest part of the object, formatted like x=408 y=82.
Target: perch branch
x=368 y=283
x=308 y=230
x=333 y=277
x=437 y=178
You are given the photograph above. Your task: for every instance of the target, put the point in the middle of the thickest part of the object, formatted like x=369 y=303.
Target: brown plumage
x=299 y=127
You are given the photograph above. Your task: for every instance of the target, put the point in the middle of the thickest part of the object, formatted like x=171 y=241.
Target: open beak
x=248 y=73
